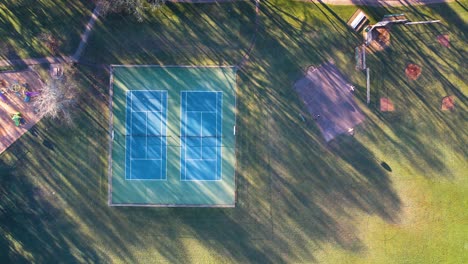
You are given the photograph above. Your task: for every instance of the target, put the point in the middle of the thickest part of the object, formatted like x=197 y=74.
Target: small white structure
x=56 y=71
x=357 y=20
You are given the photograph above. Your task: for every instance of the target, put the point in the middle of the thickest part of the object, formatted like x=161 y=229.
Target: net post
x=364 y=57
x=368 y=85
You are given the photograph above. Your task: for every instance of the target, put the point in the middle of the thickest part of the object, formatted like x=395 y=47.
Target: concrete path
x=84 y=37
x=65 y=59
x=204 y=1
x=378 y=2
x=94 y=17
x=337 y=2
x=34 y=61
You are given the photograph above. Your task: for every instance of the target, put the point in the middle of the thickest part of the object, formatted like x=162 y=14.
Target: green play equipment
x=17 y=118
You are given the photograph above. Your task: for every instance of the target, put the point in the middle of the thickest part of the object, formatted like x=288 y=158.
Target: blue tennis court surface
x=146 y=148
x=173 y=136
x=201 y=130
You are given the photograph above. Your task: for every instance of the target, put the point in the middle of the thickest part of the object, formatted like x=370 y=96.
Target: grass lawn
x=298 y=198
x=183 y=34
x=24 y=21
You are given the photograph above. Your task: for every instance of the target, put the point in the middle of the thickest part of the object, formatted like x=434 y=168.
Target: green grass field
x=299 y=200
x=23 y=21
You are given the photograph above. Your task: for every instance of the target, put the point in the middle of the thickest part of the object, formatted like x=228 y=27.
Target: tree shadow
x=295 y=194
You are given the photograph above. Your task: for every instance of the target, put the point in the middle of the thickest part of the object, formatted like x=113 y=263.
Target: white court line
x=185 y=147
x=212 y=112
x=165 y=138
x=201 y=180
x=221 y=139
x=201 y=135
x=216 y=129
x=131 y=132
x=182 y=114
x=144 y=159
x=126 y=139
x=203 y=159
x=160 y=131
x=184 y=126
x=163 y=116
x=146 y=132
x=146 y=180
x=146 y=111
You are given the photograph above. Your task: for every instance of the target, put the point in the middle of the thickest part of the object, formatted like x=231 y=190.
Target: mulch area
x=13 y=102
x=444 y=40
x=448 y=103
x=386 y=105
x=413 y=71
x=381 y=39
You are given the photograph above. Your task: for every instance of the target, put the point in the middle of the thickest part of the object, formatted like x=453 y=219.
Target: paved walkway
x=338 y=2
x=84 y=37
x=65 y=59
x=203 y=1
x=94 y=17
x=34 y=61
x=378 y=2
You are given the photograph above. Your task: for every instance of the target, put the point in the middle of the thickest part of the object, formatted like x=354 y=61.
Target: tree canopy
x=134 y=7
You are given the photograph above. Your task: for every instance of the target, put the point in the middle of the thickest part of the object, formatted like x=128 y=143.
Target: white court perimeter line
x=164 y=116
x=218 y=156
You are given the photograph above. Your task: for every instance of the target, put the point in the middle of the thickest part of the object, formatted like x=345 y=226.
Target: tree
x=58 y=97
x=134 y=7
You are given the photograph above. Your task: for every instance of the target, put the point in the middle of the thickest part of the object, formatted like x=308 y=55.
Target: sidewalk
x=84 y=37
x=34 y=61
x=65 y=59
x=378 y=2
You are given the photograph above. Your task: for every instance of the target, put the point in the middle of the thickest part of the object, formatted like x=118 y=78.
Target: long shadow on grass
x=24 y=21
x=427 y=137
x=296 y=194
x=187 y=34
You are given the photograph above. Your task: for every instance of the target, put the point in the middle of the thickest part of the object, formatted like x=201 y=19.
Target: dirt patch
x=444 y=40
x=386 y=105
x=15 y=86
x=448 y=103
x=381 y=39
x=413 y=71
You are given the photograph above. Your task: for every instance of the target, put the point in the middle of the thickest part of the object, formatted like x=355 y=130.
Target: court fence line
x=111 y=136
x=170 y=66
x=112 y=139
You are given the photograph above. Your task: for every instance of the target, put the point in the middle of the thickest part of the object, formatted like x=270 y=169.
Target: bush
x=134 y=7
x=51 y=42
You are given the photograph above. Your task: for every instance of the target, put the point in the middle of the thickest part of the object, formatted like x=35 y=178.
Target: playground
x=399 y=181
x=17 y=114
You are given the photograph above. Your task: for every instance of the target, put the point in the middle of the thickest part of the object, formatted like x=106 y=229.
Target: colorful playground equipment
x=19 y=89
x=2 y=96
x=17 y=118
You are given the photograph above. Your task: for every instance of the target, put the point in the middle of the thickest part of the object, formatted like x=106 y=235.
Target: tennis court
x=173 y=141
x=201 y=135
x=146 y=141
